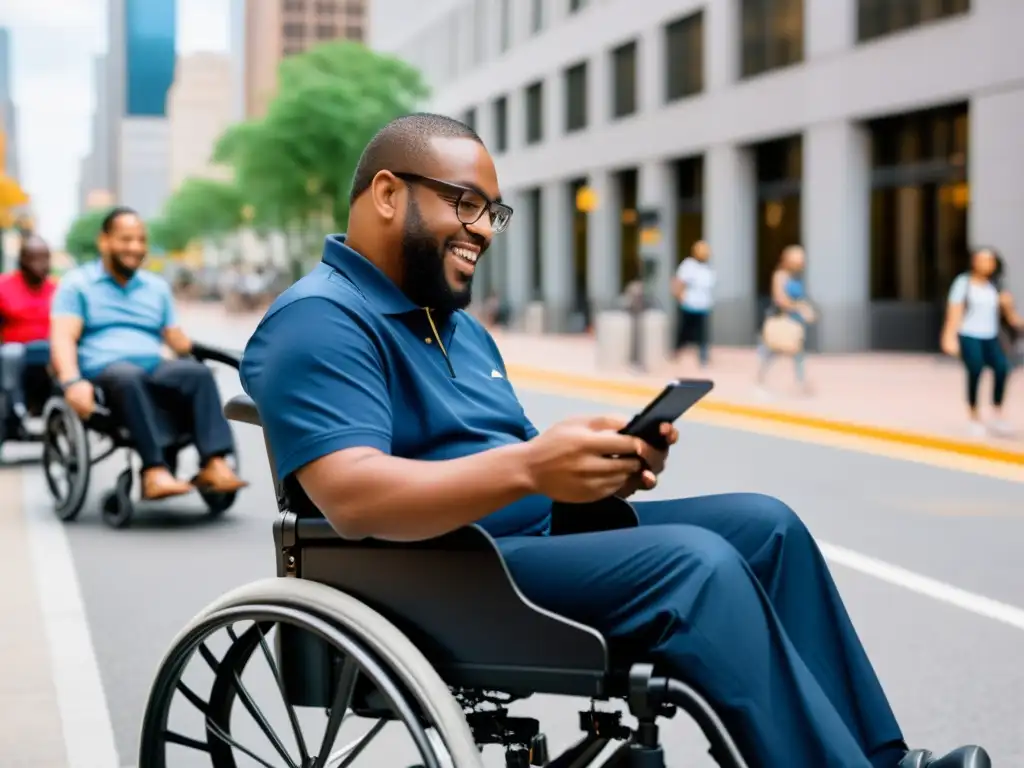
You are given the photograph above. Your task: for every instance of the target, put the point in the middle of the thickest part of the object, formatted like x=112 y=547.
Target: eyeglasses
x=469 y=204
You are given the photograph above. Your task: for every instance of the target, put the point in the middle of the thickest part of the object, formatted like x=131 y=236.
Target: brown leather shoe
x=218 y=477
x=159 y=483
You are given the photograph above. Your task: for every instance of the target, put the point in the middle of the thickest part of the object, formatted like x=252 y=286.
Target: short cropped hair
x=402 y=142
x=107 y=225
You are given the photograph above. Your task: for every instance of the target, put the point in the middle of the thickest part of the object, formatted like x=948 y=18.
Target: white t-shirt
x=699 y=279
x=981 y=320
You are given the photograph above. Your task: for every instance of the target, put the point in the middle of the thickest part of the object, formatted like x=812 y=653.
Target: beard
x=121 y=269
x=424 y=280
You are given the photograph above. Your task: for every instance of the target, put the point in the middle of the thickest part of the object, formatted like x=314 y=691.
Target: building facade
x=278 y=28
x=200 y=108
x=8 y=116
x=884 y=137
x=150 y=28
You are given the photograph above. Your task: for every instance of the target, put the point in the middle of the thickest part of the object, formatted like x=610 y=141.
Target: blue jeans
x=730 y=593
x=15 y=358
x=978 y=353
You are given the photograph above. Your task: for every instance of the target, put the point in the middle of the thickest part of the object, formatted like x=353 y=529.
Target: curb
x=710 y=405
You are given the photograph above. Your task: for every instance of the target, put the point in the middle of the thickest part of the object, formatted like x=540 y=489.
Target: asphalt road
x=954 y=674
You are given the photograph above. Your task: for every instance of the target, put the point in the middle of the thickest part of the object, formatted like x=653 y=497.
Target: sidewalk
x=914 y=399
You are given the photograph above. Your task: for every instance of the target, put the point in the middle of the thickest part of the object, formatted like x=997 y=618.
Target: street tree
x=81 y=240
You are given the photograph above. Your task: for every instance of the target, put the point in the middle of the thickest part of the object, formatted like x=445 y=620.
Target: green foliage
x=297 y=162
x=80 y=241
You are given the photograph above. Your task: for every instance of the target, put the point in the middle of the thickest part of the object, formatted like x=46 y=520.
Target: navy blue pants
x=184 y=388
x=731 y=594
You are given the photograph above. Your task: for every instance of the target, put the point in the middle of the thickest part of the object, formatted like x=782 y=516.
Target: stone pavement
x=921 y=396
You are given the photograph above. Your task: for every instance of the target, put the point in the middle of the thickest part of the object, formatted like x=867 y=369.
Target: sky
x=53 y=45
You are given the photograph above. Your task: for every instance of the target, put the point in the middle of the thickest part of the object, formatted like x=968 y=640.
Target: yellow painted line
x=954 y=454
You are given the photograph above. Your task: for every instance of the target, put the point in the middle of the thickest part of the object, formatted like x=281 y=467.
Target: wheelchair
x=432 y=635
x=38 y=388
x=68 y=454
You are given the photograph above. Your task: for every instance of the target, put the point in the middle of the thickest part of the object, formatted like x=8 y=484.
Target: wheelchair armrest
x=204 y=352
x=242 y=408
x=605 y=515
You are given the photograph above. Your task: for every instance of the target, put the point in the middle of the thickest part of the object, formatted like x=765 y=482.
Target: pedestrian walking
x=785 y=326
x=693 y=287
x=978 y=308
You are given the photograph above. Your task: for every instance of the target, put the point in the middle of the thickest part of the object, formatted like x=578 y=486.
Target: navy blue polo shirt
x=343 y=358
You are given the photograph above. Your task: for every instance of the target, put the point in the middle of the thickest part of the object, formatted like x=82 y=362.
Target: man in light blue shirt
x=109 y=324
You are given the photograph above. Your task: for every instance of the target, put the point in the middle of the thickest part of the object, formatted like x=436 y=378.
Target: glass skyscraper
x=149 y=39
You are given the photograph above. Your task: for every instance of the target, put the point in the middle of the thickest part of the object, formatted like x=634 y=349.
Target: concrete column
x=830 y=26
x=518 y=256
x=516 y=119
x=554 y=105
x=721 y=45
x=556 y=239
x=996 y=157
x=729 y=211
x=599 y=90
x=651 y=70
x=836 y=233
x=603 y=235
x=657 y=190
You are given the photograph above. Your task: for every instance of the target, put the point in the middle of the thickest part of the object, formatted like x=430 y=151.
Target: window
x=534 y=112
x=353 y=32
x=326 y=8
x=779 y=181
x=325 y=31
x=576 y=97
x=877 y=18
x=505 y=24
x=773 y=35
x=500 y=124
x=919 y=203
x=295 y=5
x=577 y=5
x=624 y=80
x=294 y=31
x=537 y=16
x=684 y=57
x=469 y=118
x=689 y=178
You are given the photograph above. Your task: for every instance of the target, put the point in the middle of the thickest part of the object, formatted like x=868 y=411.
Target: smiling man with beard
x=389 y=406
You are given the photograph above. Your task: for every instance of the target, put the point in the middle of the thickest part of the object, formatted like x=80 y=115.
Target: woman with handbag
x=977 y=309
x=785 y=328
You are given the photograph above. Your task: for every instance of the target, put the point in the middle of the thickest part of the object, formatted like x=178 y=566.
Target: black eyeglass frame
x=456 y=192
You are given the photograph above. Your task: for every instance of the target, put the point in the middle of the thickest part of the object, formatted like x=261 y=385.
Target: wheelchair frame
x=406 y=603
x=73 y=454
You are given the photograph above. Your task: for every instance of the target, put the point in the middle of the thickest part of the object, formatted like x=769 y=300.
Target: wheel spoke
x=261 y=721
x=344 y=757
x=176 y=738
x=193 y=698
x=208 y=657
x=292 y=717
x=217 y=731
x=342 y=700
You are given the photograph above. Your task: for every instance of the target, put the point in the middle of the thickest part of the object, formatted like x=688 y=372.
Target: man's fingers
x=607 y=421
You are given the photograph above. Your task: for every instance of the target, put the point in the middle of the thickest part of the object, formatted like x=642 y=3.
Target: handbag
x=783 y=335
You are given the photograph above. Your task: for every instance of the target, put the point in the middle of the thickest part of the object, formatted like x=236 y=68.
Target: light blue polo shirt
x=343 y=358
x=120 y=323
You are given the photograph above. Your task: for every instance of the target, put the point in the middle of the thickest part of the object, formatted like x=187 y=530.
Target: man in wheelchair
x=109 y=324
x=391 y=407
x=25 y=296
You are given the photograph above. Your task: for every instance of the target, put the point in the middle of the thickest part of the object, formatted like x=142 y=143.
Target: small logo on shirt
x=495 y=374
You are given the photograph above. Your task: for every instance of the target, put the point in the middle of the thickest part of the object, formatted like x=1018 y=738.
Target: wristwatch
x=65 y=384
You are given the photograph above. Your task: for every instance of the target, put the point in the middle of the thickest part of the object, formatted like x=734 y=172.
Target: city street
x=927 y=559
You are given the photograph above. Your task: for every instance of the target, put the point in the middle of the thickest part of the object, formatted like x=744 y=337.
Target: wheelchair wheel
x=117 y=504
x=372 y=655
x=66 y=461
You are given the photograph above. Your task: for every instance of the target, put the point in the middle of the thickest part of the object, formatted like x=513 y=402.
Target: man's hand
x=82 y=398
x=583 y=459
x=654 y=463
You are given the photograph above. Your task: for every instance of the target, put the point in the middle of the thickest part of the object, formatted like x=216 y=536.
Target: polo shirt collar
x=377 y=287
x=100 y=274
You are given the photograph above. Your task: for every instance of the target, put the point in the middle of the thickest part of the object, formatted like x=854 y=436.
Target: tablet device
x=673 y=401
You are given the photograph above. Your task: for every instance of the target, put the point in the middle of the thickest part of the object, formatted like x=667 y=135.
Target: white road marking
x=88 y=731
x=979 y=605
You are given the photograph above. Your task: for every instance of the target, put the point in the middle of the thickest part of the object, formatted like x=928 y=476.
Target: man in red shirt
x=25 y=297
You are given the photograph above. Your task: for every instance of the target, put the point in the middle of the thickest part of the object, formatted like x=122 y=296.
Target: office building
x=97 y=175
x=8 y=117
x=278 y=28
x=199 y=109
x=883 y=136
